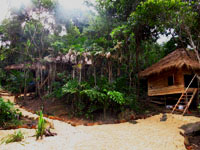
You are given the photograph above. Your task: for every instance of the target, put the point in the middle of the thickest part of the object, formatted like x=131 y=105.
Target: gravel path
x=144 y=134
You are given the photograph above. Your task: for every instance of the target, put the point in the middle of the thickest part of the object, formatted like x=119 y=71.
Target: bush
x=8 y=114
x=16 y=137
x=87 y=99
x=15 y=81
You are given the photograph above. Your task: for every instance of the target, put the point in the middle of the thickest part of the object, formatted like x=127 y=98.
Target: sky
x=7 y=4
x=3 y=10
x=163 y=39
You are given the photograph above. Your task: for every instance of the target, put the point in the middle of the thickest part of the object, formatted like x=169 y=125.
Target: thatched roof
x=73 y=57
x=177 y=59
x=33 y=66
x=70 y=57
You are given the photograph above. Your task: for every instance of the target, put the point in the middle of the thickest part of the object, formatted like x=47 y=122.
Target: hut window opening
x=171 y=80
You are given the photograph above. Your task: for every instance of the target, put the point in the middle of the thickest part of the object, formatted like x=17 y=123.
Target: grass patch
x=15 y=137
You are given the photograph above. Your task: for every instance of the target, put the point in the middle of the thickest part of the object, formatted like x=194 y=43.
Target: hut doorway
x=187 y=80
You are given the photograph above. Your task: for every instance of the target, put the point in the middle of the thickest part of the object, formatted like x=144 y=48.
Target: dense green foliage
x=99 y=97
x=9 y=116
x=119 y=37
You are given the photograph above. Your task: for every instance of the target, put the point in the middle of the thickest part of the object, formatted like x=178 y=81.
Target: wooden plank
x=157 y=102
x=161 y=80
x=166 y=90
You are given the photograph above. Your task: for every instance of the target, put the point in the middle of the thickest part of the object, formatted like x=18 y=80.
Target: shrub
x=132 y=103
x=87 y=99
x=8 y=114
x=15 y=81
x=40 y=131
x=16 y=137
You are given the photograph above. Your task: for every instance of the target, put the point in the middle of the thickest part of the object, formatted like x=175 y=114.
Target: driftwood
x=49 y=133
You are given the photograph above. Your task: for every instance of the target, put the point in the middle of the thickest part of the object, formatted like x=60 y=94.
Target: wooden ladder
x=190 y=101
x=185 y=96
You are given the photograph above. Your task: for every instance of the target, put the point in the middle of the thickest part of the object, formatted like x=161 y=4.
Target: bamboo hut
x=172 y=74
x=81 y=64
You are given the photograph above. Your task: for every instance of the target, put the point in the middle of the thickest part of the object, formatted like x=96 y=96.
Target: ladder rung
x=183 y=99
x=181 y=110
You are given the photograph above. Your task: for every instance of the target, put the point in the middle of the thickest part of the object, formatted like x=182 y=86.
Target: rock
x=163 y=118
x=127 y=115
x=192 y=128
x=186 y=139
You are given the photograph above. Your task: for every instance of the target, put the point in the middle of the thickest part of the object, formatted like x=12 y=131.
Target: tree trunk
x=138 y=68
x=109 y=71
x=73 y=73
x=95 y=77
x=80 y=75
x=25 y=84
x=104 y=112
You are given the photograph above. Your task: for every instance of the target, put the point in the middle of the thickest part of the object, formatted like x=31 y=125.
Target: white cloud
x=72 y=4
x=18 y=3
x=6 y=5
x=4 y=10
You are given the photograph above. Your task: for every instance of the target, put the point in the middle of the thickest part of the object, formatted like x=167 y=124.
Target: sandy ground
x=144 y=134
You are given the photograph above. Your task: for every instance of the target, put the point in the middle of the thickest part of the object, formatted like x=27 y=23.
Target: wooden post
x=198 y=92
